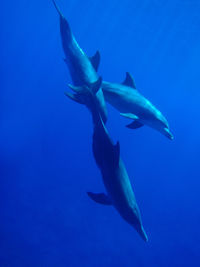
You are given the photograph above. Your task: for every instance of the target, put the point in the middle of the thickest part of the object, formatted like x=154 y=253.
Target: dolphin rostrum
x=131 y=104
x=107 y=156
x=82 y=68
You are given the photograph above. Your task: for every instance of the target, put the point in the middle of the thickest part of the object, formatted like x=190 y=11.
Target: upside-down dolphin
x=107 y=156
x=81 y=67
x=131 y=104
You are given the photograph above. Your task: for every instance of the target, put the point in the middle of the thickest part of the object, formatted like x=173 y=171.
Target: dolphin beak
x=143 y=234
x=168 y=134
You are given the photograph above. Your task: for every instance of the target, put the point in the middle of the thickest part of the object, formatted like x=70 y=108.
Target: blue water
x=46 y=161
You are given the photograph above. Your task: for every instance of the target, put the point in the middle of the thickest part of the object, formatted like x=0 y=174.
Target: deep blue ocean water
x=46 y=161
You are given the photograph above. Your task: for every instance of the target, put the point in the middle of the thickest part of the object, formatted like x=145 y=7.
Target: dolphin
x=133 y=105
x=83 y=70
x=107 y=156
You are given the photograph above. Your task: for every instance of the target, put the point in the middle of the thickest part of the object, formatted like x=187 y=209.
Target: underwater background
x=46 y=160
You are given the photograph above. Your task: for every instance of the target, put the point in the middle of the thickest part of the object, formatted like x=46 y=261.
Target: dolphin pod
x=90 y=90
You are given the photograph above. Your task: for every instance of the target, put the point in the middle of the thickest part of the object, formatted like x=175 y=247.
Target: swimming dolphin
x=107 y=156
x=81 y=67
x=131 y=104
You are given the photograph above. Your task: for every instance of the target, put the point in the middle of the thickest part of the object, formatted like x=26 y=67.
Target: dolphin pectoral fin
x=83 y=89
x=95 y=60
x=129 y=116
x=129 y=81
x=100 y=198
x=74 y=97
x=76 y=89
x=134 y=125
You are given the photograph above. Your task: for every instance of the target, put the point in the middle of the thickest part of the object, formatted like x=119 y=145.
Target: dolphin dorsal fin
x=95 y=60
x=129 y=81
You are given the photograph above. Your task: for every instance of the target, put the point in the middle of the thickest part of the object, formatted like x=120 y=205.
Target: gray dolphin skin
x=131 y=104
x=82 y=68
x=107 y=156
